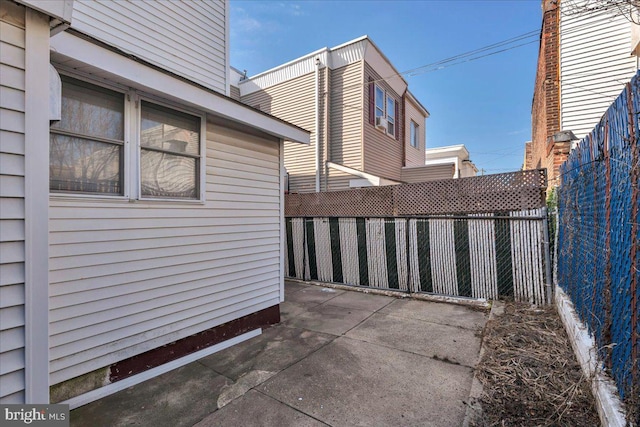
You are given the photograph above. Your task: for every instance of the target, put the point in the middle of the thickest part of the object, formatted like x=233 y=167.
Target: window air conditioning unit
x=381 y=123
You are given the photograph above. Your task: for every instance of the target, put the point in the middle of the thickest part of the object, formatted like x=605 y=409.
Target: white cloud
x=247 y=24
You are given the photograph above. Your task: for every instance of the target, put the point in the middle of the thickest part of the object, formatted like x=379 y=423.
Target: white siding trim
x=118 y=68
x=283 y=232
x=156 y=30
x=227 y=53
x=36 y=209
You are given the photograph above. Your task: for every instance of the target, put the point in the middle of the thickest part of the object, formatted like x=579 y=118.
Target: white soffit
x=59 y=9
x=100 y=62
x=336 y=57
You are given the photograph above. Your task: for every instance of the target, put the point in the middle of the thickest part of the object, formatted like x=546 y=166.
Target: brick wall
x=545 y=111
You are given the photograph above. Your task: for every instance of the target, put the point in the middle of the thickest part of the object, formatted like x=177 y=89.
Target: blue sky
x=484 y=104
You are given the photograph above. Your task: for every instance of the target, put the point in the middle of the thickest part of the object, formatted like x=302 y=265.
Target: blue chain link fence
x=598 y=240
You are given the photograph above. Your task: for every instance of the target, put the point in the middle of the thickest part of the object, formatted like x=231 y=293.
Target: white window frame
x=203 y=149
x=377 y=108
x=131 y=163
x=391 y=118
x=413 y=134
x=380 y=93
x=126 y=173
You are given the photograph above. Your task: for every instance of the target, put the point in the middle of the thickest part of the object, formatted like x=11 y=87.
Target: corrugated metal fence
x=598 y=259
x=476 y=255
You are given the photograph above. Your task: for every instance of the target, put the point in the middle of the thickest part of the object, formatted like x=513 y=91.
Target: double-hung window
x=88 y=148
x=87 y=144
x=385 y=108
x=379 y=102
x=414 y=134
x=391 y=116
x=169 y=153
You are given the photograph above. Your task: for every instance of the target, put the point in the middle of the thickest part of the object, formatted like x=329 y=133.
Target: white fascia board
x=58 y=9
x=137 y=75
x=459 y=151
x=417 y=103
x=445 y=161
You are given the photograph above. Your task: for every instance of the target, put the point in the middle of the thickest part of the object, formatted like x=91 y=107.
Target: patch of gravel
x=529 y=373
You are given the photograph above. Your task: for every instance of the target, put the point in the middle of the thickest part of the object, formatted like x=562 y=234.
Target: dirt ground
x=529 y=373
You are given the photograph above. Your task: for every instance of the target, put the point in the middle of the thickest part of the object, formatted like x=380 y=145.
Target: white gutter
x=317 y=125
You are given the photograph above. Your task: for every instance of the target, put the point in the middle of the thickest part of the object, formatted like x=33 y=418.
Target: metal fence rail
x=475 y=256
x=598 y=235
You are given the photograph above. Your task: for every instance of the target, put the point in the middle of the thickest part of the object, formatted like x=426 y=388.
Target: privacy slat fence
x=472 y=252
x=598 y=240
x=475 y=258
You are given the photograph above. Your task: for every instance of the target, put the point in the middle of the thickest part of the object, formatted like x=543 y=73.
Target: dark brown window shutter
x=397 y=121
x=372 y=102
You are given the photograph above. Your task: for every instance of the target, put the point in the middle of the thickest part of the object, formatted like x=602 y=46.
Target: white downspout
x=317 y=125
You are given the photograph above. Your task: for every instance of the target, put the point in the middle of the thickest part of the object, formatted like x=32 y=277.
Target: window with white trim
x=169 y=153
x=86 y=151
x=89 y=149
x=414 y=134
x=379 y=102
x=385 y=108
x=391 y=116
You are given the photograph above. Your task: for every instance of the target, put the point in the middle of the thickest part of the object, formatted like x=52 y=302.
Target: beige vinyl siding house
x=382 y=153
x=431 y=173
x=346 y=95
x=329 y=92
x=415 y=144
x=161 y=218
x=293 y=101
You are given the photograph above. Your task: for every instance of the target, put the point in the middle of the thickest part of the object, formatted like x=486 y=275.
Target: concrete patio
x=338 y=358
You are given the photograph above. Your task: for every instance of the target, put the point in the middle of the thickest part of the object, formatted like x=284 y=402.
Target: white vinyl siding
x=184 y=37
x=12 y=203
x=595 y=63
x=129 y=277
